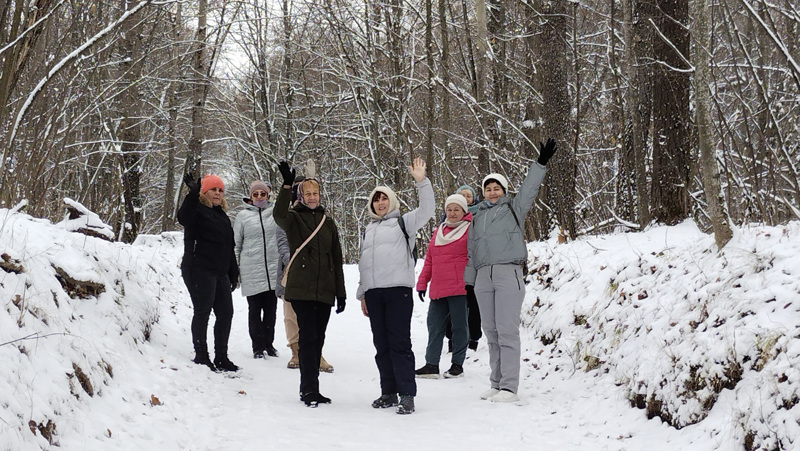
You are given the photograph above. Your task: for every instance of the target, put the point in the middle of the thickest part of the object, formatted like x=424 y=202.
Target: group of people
x=291 y=249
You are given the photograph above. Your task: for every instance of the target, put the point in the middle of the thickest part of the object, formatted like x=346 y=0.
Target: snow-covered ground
x=657 y=318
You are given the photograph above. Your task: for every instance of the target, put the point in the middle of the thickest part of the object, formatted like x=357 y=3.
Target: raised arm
x=523 y=201
x=417 y=218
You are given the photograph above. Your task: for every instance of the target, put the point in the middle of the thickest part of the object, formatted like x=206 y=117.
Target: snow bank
x=678 y=325
x=71 y=305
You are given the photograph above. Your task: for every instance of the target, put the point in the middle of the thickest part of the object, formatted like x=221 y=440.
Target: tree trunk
x=170 y=202
x=129 y=128
x=194 y=158
x=671 y=156
x=717 y=210
x=444 y=69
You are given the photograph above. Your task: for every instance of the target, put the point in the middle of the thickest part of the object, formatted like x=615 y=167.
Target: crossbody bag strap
x=297 y=251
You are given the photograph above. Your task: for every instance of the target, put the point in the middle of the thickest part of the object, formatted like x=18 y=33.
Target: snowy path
x=260 y=409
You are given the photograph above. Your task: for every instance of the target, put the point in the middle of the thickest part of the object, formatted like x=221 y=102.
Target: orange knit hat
x=211 y=181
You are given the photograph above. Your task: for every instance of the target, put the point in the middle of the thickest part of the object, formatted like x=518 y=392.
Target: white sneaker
x=504 y=396
x=489 y=393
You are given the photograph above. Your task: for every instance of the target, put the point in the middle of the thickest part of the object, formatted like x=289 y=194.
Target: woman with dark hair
x=314 y=278
x=496 y=251
x=209 y=267
x=386 y=270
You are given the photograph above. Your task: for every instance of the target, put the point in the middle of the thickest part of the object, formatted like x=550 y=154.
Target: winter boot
x=258 y=354
x=385 y=401
x=310 y=399
x=324 y=366
x=294 y=362
x=224 y=364
x=455 y=370
x=202 y=358
x=271 y=351
x=428 y=372
x=323 y=399
x=504 y=396
x=406 y=405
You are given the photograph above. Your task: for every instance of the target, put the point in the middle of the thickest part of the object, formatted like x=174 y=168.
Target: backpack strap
x=514 y=213
x=405 y=234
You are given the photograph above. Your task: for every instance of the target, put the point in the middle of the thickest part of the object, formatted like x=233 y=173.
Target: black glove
x=469 y=288
x=546 y=151
x=287 y=172
x=234 y=284
x=192 y=183
x=421 y=294
x=340 y=303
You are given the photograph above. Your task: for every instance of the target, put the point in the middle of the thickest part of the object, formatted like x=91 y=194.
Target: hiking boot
x=428 y=372
x=385 y=401
x=455 y=370
x=324 y=366
x=203 y=359
x=473 y=344
x=489 y=393
x=504 y=396
x=406 y=405
x=271 y=351
x=294 y=362
x=224 y=364
x=310 y=399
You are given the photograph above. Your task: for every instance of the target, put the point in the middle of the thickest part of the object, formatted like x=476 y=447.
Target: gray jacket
x=385 y=258
x=256 y=249
x=495 y=237
x=283 y=250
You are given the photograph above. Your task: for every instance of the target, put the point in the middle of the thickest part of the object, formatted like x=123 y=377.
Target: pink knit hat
x=211 y=181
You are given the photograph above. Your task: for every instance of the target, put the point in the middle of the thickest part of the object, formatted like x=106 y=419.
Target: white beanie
x=497 y=177
x=457 y=199
x=394 y=204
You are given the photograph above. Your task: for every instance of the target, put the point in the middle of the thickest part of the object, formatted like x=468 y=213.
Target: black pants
x=209 y=292
x=390 y=318
x=312 y=320
x=473 y=318
x=261 y=312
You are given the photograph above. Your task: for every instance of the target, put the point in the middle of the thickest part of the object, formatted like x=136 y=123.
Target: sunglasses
x=259 y=194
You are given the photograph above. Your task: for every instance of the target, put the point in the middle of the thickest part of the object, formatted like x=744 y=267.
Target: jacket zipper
x=264 y=240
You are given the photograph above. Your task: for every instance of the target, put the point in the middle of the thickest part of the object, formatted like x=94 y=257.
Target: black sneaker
x=271 y=351
x=224 y=364
x=204 y=359
x=323 y=399
x=258 y=354
x=428 y=372
x=310 y=399
x=454 y=371
x=406 y=405
x=473 y=344
x=385 y=401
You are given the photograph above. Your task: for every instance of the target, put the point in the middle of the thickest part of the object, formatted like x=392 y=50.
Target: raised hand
x=287 y=172
x=192 y=183
x=417 y=169
x=546 y=151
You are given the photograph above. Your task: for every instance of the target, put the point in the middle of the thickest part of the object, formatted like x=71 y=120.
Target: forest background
x=663 y=110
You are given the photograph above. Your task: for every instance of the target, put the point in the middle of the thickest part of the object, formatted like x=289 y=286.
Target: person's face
x=310 y=195
x=467 y=195
x=215 y=195
x=454 y=213
x=380 y=203
x=492 y=191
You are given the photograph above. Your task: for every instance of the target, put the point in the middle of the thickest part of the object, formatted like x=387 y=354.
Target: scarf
x=459 y=229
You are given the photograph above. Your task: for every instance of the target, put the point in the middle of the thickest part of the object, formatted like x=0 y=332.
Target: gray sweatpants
x=500 y=291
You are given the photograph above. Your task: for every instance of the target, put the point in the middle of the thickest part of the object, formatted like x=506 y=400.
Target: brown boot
x=294 y=363
x=324 y=366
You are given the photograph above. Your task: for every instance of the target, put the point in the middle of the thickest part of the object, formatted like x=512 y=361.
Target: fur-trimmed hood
x=207 y=202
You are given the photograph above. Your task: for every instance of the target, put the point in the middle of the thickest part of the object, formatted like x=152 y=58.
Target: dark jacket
x=316 y=273
x=208 y=237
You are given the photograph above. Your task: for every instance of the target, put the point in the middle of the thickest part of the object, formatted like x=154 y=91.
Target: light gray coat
x=385 y=258
x=256 y=249
x=495 y=237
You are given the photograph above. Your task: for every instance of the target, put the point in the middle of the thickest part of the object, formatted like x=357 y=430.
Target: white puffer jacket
x=256 y=249
x=385 y=258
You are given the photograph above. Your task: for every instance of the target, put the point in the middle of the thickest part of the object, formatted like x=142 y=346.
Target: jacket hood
x=394 y=204
x=207 y=202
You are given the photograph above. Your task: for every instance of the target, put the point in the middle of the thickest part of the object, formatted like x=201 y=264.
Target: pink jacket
x=444 y=267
